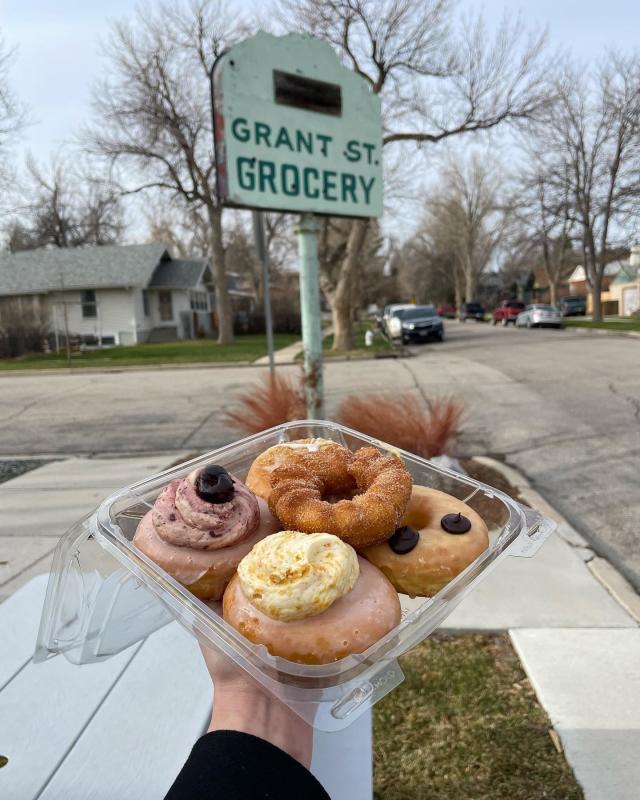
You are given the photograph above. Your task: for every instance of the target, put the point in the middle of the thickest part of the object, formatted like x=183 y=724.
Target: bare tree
x=436 y=81
x=590 y=143
x=543 y=223
x=65 y=206
x=465 y=222
x=12 y=113
x=154 y=114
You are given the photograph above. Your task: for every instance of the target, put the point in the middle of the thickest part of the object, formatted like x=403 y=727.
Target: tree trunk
x=553 y=291
x=342 y=301
x=223 y=303
x=596 y=290
x=469 y=286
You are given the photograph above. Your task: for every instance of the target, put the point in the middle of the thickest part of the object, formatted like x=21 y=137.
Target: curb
x=601 y=568
x=603 y=331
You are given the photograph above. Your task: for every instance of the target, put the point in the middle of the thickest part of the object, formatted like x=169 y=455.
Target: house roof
x=612 y=268
x=178 y=274
x=627 y=274
x=109 y=266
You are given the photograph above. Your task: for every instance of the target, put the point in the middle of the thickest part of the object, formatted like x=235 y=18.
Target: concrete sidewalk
x=573 y=621
x=572 y=618
x=39 y=506
x=286 y=355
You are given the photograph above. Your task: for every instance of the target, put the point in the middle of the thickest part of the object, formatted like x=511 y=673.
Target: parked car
x=572 y=306
x=417 y=324
x=539 y=316
x=448 y=312
x=471 y=311
x=507 y=312
x=390 y=313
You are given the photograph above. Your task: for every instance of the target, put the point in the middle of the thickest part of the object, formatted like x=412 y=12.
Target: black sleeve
x=229 y=765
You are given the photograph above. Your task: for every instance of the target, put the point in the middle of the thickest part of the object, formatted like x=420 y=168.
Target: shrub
x=405 y=422
x=268 y=402
x=22 y=330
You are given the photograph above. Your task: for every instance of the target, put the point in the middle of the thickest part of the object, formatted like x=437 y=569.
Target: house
x=620 y=285
x=625 y=287
x=115 y=294
x=579 y=285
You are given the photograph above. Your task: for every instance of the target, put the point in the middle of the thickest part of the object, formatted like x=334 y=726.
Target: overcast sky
x=58 y=52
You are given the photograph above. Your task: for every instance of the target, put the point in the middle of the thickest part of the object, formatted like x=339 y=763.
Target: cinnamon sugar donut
x=440 y=536
x=378 y=484
x=259 y=475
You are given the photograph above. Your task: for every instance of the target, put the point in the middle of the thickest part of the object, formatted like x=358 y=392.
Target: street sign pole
x=263 y=258
x=307 y=233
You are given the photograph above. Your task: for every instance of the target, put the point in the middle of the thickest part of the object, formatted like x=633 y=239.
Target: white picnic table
x=122 y=728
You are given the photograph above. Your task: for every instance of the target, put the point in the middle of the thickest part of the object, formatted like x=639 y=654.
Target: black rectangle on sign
x=307 y=93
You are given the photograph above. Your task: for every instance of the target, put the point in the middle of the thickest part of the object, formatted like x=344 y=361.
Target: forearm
x=254 y=711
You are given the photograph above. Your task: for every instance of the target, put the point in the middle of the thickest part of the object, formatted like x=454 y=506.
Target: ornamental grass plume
x=270 y=401
x=405 y=421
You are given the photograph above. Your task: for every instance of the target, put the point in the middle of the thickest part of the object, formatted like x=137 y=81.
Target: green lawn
x=245 y=348
x=380 y=344
x=466 y=724
x=621 y=324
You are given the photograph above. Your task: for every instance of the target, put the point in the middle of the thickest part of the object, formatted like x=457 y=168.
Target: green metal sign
x=295 y=130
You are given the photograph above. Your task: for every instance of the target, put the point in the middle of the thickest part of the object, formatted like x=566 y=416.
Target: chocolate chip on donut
x=455 y=523
x=404 y=540
x=214 y=484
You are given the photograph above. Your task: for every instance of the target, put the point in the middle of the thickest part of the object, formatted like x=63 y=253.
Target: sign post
x=296 y=131
x=307 y=232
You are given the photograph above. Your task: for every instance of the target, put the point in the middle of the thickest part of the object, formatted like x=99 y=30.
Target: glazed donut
x=422 y=556
x=259 y=475
x=378 y=485
x=324 y=601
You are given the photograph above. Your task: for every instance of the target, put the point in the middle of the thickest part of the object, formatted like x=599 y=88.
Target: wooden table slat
x=142 y=734
x=19 y=621
x=42 y=712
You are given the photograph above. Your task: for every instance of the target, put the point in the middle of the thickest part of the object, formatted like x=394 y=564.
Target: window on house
x=89 y=305
x=199 y=301
x=145 y=302
x=166 y=306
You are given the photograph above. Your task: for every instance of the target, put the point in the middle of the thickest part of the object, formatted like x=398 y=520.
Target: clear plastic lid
x=104 y=594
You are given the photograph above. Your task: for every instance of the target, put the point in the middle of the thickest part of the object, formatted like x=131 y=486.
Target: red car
x=449 y=312
x=507 y=312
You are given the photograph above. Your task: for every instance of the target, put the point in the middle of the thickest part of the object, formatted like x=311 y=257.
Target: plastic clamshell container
x=104 y=594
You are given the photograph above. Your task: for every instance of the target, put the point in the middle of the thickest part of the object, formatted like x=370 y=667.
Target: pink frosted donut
x=351 y=624
x=183 y=518
x=200 y=542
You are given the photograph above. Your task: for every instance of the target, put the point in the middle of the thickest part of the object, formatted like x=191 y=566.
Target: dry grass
x=269 y=402
x=466 y=725
x=404 y=421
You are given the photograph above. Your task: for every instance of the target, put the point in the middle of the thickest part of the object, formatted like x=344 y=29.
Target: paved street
x=561 y=406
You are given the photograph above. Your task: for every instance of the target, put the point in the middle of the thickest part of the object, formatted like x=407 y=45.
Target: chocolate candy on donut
x=404 y=540
x=455 y=523
x=376 y=488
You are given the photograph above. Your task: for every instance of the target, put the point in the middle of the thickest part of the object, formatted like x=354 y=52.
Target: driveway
x=561 y=406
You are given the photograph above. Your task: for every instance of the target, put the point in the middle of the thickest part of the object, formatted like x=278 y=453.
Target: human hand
x=241 y=704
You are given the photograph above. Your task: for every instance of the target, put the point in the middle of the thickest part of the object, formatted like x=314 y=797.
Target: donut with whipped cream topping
x=310 y=598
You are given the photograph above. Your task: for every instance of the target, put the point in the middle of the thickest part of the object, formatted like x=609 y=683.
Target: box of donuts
x=310 y=555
